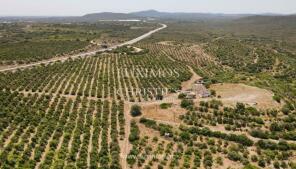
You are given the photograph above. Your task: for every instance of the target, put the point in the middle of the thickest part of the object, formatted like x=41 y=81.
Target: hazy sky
x=81 y=7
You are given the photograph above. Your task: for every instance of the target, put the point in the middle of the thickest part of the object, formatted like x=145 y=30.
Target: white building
x=201 y=91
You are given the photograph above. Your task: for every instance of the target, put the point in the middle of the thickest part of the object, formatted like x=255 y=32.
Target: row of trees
x=46 y=131
x=108 y=76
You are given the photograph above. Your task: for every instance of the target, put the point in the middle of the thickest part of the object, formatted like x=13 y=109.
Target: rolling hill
x=186 y=16
x=94 y=17
x=109 y=16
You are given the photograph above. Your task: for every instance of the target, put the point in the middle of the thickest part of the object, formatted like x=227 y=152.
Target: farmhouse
x=201 y=91
x=189 y=94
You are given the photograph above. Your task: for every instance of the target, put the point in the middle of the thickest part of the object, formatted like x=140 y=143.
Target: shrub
x=213 y=92
x=181 y=96
x=277 y=98
x=261 y=162
x=234 y=156
x=136 y=110
x=134 y=135
x=185 y=136
x=165 y=105
x=249 y=166
x=187 y=104
x=286 y=110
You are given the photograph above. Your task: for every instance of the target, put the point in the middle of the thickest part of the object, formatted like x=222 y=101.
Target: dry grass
x=171 y=114
x=253 y=96
x=168 y=43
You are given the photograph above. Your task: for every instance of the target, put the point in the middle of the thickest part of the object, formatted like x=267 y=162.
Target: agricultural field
x=126 y=107
x=248 y=50
x=44 y=131
x=30 y=42
x=107 y=76
x=211 y=135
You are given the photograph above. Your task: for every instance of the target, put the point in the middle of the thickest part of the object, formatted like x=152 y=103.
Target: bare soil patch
x=253 y=96
x=137 y=50
x=228 y=164
x=156 y=113
x=188 y=84
x=169 y=43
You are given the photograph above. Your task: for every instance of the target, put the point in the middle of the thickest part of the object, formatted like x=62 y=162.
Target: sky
x=81 y=7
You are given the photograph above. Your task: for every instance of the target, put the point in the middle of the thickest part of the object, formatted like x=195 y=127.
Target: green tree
x=136 y=110
x=187 y=104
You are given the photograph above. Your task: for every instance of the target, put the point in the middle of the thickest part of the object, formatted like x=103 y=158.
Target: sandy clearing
x=253 y=96
x=188 y=84
x=168 y=43
x=171 y=114
x=137 y=50
x=152 y=110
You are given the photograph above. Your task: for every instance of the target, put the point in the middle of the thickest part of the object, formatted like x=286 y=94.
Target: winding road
x=84 y=54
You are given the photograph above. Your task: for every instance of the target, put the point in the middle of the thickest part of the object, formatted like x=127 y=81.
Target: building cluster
x=198 y=90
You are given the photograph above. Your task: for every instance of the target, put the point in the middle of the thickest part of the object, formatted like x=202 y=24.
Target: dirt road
x=124 y=144
x=88 y=53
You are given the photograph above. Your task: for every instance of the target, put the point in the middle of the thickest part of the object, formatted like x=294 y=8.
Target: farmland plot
x=56 y=131
x=116 y=76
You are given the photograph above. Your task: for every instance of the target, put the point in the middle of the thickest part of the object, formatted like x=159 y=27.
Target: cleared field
x=170 y=115
x=253 y=96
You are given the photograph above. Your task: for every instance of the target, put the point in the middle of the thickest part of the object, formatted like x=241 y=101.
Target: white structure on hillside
x=201 y=90
x=189 y=94
x=198 y=90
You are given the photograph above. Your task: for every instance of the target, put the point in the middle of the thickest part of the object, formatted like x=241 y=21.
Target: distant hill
x=149 y=13
x=157 y=15
x=109 y=16
x=269 y=19
x=94 y=17
x=270 y=27
x=186 y=16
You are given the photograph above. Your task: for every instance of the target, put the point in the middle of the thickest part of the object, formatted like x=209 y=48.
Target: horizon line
x=214 y=13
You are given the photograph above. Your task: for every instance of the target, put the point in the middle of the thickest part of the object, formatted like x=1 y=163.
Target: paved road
x=133 y=41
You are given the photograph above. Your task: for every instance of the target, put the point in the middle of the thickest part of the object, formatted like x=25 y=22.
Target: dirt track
x=124 y=144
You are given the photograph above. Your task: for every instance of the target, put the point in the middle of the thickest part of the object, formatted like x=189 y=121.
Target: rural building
x=189 y=94
x=201 y=91
x=167 y=135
